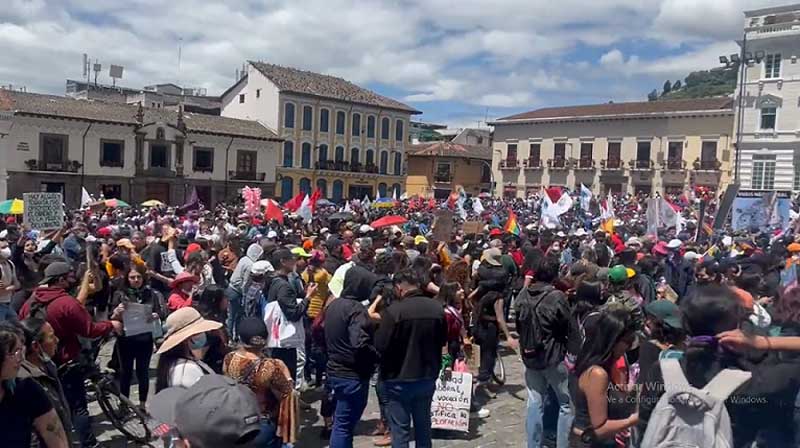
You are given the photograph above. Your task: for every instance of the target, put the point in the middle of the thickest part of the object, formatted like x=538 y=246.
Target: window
x=772 y=66
x=203 y=160
x=111 y=153
x=560 y=151
x=241 y=98
x=675 y=151
x=324 y=119
x=486 y=173
x=308 y=118
x=287 y=188
x=340 y=119
x=339 y=156
x=288 y=154
x=305 y=155
x=338 y=190
x=111 y=191
x=763 y=172
x=204 y=193
x=54 y=151
x=396 y=190
x=323 y=153
x=53 y=187
x=385 y=128
x=643 y=151
x=305 y=186
x=381 y=190
x=796 y=182
x=480 y=140
x=370 y=157
x=768 y=116
x=398 y=130
x=384 y=162
x=614 y=151
x=586 y=151
x=288 y=115
x=354 y=156
x=398 y=163
x=370 y=126
x=356 y=125
x=535 y=153
x=708 y=152
x=246 y=161
x=159 y=156
x=258 y=93
x=444 y=172
x=511 y=152
x=322 y=186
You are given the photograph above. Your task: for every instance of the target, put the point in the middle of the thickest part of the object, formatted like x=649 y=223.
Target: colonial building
x=341 y=138
x=768 y=156
x=652 y=146
x=130 y=152
x=436 y=168
x=155 y=96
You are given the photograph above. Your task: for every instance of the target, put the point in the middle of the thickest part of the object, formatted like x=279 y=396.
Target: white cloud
x=613 y=57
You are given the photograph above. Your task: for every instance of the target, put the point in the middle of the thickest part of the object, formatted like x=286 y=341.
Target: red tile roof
x=624 y=109
x=449 y=149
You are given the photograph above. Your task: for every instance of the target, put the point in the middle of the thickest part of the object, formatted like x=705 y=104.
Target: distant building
x=436 y=168
x=135 y=153
x=768 y=157
x=649 y=147
x=345 y=140
x=155 y=96
x=470 y=136
x=419 y=131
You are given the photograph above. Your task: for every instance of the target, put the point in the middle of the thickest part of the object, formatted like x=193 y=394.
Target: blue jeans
x=234 y=312
x=537 y=382
x=350 y=396
x=268 y=437
x=407 y=400
x=6 y=313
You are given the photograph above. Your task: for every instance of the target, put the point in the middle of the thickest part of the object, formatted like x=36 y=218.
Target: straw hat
x=183 y=324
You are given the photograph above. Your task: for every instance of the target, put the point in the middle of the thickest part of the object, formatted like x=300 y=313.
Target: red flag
x=554 y=193
x=315 y=196
x=273 y=211
x=293 y=204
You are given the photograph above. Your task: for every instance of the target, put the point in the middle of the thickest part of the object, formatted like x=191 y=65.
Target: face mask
x=198 y=341
x=5 y=253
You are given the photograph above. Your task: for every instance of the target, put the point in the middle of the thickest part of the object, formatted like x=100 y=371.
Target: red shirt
x=347 y=251
x=178 y=299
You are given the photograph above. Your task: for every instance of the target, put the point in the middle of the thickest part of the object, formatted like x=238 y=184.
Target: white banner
x=451 y=402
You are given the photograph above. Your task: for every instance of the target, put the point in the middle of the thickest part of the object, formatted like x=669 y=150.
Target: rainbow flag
x=512 y=226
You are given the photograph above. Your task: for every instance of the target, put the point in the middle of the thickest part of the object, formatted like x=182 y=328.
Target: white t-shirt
x=185 y=372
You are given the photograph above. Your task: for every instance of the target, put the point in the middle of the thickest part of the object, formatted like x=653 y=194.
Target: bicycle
x=499 y=371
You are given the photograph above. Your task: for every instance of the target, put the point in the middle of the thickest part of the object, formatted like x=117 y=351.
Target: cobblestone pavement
x=505 y=427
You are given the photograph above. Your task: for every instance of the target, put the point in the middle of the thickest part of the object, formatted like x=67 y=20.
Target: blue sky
x=457 y=61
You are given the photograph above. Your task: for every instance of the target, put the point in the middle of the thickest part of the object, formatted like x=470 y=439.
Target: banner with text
x=451 y=402
x=43 y=211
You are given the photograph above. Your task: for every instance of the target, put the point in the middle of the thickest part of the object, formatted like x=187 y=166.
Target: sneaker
x=480 y=413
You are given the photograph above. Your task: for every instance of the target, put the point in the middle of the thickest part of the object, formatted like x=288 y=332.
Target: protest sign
x=451 y=402
x=443 y=225
x=757 y=209
x=43 y=211
x=725 y=205
x=472 y=227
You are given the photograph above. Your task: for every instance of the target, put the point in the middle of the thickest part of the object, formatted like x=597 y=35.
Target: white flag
x=85 y=197
x=394 y=194
x=477 y=207
x=562 y=206
x=404 y=196
x=346 y=206
x=305 y=210
x=586 y=197
x=365 y=204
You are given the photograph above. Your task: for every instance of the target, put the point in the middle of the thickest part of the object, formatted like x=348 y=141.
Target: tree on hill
x=667 y=88
x=677 y=85
x=652 y=96
x=702 y=84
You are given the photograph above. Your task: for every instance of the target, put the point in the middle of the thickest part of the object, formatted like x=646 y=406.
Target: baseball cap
x=666 y=312
x=215 y=412
x=633 y=241
x=261 y=267
x=300 y=252
x=272 y=234
x=619 y=274
x=794 y=247
x=674 y=244
x=55 y=270
x=495 y=232
x=419 y=239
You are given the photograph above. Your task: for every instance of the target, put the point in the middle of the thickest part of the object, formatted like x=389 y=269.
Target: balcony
x=246 y=175
x=323 y=165
x=532 y=164
x=444 y=177
x=707 y=165
x=641 y=165
x=371 y=168
x=673 y=164
x=558 y=163
x=611 y=164
x=67 y=166
x=509 y=164
x=356 y=167
x=584 y=164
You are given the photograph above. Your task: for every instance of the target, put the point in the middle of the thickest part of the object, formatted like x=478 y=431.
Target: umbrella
x=110 y=203
x=324 y=203
x=12 y=207
x=342 y=216
x=152 y=203
x=484 y=195
x=388 y=221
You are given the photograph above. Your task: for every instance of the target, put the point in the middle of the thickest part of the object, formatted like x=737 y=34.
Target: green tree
x=667 y=88
x=677 y=85
x=652 y=96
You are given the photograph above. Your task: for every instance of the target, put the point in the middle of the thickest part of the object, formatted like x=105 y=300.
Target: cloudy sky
x=457 y=60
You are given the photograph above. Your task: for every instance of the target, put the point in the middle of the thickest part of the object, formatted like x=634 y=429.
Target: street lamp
x=743 y=60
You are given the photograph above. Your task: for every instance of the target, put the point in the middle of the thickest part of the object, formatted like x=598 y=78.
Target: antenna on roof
x=97 y=67
x=180 y=51
x=86 y=67
x=115 y=72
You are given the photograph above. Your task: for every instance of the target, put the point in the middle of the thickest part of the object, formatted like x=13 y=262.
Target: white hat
x=727 y=240
x=561 y=234
x=633 y=241
x=580 y=232
x=365 y=228
x=261 y=267
x=272 y=234
x=323 y=230
x=674 y=244
x=691 y=256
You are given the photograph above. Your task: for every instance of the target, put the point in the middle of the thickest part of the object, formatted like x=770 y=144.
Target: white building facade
x=768 y=156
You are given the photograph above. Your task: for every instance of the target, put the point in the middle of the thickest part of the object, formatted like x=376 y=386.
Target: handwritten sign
x=473 y=227
x=44 y=211
x=451 y=401
x=442 y=225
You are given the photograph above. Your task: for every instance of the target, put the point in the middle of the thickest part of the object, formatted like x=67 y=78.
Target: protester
x=9 y=282
x=185 y=344
x=183 y=287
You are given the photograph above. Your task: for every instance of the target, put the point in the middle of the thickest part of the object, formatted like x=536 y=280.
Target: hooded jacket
x=241 y=274
x=69 y=320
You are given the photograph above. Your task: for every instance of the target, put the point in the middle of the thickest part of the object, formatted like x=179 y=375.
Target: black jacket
x=410 y=338
x=552 y=315
x=348 y=338
x=679 y=274
x=492 y=278
x=279 y=288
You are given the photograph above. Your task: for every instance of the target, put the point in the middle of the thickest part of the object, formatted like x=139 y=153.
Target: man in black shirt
x=282 y=291
x=410 y=338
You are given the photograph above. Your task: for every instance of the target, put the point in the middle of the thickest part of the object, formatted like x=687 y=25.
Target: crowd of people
x=246 y=313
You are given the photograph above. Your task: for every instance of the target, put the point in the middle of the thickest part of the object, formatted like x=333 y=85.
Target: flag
x=462 y=197
x=668 y=216
x=477 y=206
x=193 y=204
x=315 y=196
x=512 y=226
x=586 y=197
x=293 y=204
x=561 y=206
x=304 y=211
x=394 y=194
x=607 y=214
x=554 y=193
x=365 y=204
x=347 y=206
x=85 y=197
x=404 y=196
x=273 y=211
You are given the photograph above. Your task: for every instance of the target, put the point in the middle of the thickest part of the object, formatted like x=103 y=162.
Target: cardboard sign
x=442 y=225
x=451 y=402
x=764 y=210
x=725 y=206
x=473 y=227
x=43 y=211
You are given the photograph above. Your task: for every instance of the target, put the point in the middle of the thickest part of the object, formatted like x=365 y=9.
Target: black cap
x=282 y=254
x=55 y=270
x=253 y=331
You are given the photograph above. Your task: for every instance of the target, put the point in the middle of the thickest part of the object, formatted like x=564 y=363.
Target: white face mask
x=5 y=253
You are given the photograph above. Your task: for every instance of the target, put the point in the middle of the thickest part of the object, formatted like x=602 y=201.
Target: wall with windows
x=260 y=100
x=428 y=174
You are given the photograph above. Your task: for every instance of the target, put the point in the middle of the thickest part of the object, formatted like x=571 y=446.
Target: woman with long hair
x=451 y=295
x=600 y=412
x=137 y=348
x=587 y=299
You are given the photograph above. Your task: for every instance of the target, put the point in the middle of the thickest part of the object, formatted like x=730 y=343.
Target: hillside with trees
x=701 y=84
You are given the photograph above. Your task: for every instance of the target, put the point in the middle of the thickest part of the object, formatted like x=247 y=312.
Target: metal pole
x=740 y=115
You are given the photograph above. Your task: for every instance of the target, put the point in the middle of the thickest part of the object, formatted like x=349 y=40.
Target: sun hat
x=183 y=277
x=633 y=241
x=665 y=311
x=580 y=232
x=182 y=324
x=492 y=256
x=55 y=270
x=661 y=248
x=365 y=228
x=620 y=274
x=691 y=256
x=126 y=243
x=216 y=411
x=272 y=234
x=419 y=239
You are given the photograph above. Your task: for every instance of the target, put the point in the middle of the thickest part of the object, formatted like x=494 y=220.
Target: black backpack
x=531 y=334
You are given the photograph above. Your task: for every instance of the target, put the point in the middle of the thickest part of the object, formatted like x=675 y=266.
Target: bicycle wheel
x=499 y=372
x=122 y=413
